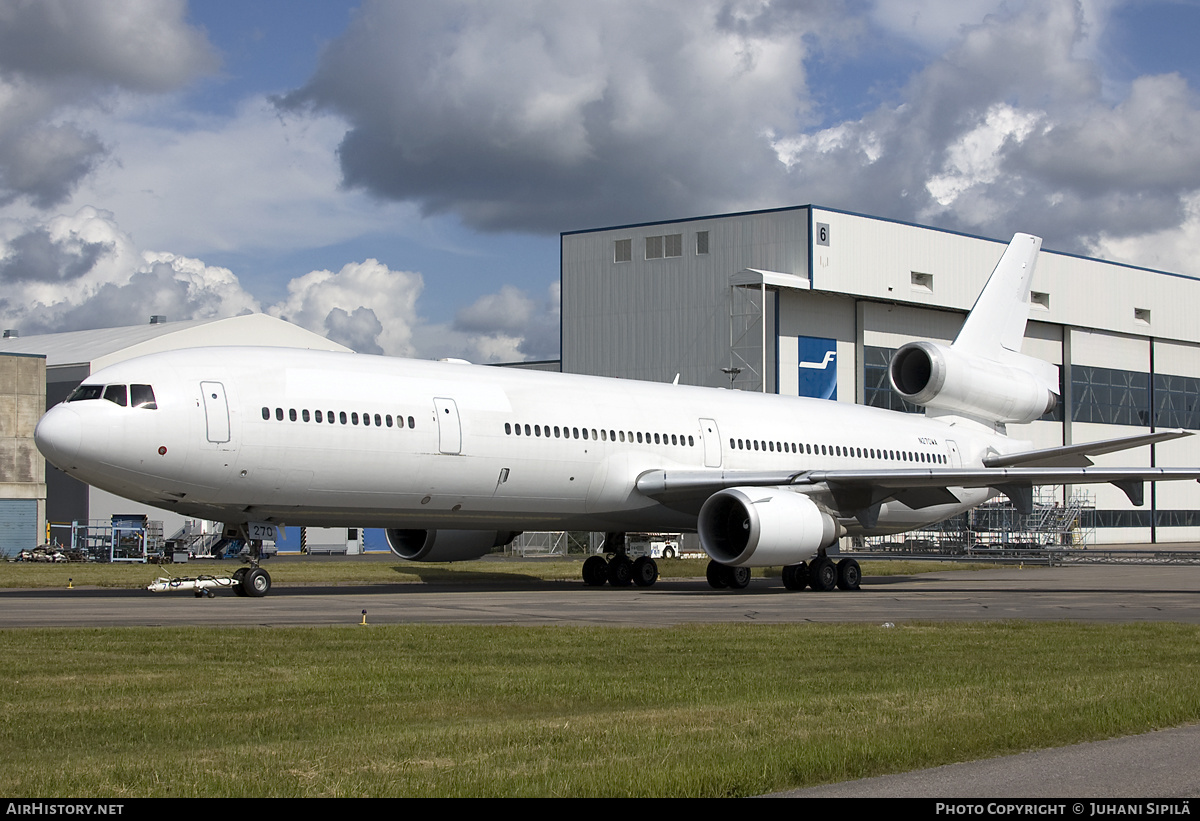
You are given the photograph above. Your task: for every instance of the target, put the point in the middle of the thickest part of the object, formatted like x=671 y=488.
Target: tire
x=849 y=574
x=255 y=583
x=238 y=575
x=737 y=578
x=822 y=575
x=669 y=553
x=715 y=573
x=645 y=572
x=795 y=576
x=620 y=572
x=595 y=571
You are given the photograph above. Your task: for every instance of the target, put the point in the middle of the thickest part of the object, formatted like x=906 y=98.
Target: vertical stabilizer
x=983 y=377
x=997 y=321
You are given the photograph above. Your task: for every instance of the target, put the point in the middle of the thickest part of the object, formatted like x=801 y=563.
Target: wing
x=1077 y=455
x=860 y=492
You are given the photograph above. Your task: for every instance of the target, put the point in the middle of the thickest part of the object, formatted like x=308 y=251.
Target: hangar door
x=18 y=526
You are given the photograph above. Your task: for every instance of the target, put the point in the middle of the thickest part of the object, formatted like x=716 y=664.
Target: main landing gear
x=620 y=570
x=822 y=575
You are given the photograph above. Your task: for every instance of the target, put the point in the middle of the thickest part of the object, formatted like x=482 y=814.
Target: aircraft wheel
x=620 y=572
x=822 y=575
x=715 y=573
x=645 y=572
x=238 y=575
x=737 y=578
x=795 y=576
x=595 y=571
x=255 y=583
x=849 y=574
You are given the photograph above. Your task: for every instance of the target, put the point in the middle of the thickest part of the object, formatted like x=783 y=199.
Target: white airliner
x=454 y=459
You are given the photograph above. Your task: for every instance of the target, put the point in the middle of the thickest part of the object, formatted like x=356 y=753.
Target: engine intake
x=935 y=376
x=446 y=545
x=761 y=527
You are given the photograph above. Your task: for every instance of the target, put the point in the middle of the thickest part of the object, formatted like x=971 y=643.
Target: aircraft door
x=216 y=411
x=712 y=443
x=449 y=426
x=955 y=456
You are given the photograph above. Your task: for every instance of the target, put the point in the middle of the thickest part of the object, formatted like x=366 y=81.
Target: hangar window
x=673 y=245
x=922 y=282
x=1039 y=300
x=623 y=250
x=1141 y=316
x=701 y=243
x=654 y=247
x=1176 y=401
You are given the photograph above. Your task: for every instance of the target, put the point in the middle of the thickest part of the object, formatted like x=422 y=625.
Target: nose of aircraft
x=58 y=435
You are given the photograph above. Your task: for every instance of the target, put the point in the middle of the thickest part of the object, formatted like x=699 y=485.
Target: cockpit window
x=84 y=392
x=117 y=394
x=142 y=396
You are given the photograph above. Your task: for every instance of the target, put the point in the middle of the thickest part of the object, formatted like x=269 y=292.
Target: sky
x=395 y=175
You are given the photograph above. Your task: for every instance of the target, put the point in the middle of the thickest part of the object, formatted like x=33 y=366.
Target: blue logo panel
x=818 y=367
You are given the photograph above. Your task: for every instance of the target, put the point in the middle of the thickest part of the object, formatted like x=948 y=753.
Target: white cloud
x=60 y=58
x=974 y=159
x=365 y=305
x=1172 y=248
x=250 y=180
x=541 y=116
x=83 y=271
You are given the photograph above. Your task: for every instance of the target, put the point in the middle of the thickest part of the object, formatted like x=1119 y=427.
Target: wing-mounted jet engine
x=446 y=545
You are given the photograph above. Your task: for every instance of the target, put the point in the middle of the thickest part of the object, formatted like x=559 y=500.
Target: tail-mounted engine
x=763 y=526
x=446 y=545
x=936 y=376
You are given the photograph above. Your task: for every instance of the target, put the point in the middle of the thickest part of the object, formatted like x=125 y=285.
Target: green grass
x=351 y=571
x=719 y=710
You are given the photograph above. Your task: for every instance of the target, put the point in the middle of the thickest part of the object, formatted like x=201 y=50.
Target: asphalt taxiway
x=1120 y=593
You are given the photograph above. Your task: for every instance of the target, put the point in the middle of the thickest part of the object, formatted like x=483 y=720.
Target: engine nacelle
x=763 y=526
x=936 y=376
x=446 y=545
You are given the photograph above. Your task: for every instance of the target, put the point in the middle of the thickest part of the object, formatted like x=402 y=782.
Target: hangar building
x=813 y=301
x=64 y=360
